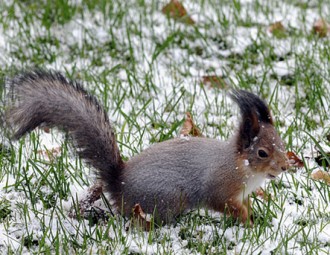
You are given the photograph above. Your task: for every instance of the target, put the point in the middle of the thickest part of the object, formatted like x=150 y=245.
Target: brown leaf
x=276 y=26
x=139 y=218
x=176 y=10
x=86 y=207
x=321 y=28
x=214 y=81
x=277 y=29
x=50 y=154
x=93 y=194
x=321 y=175
x=189 y=127
x=294 y=160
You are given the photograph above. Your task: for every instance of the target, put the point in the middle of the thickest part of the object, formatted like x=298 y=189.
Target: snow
x=181 y=62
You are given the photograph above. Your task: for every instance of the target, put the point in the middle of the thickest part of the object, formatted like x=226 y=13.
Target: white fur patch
x=253 y=181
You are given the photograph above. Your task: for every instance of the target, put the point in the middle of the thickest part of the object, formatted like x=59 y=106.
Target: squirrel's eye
x=262 y=154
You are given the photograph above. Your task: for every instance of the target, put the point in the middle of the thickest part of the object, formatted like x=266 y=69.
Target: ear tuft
x=252 y=104
x=254 y=111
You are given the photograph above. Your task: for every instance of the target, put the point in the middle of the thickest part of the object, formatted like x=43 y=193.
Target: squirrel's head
x=259 y=146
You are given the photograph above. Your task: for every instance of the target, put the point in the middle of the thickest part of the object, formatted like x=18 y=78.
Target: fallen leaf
x=321 y=28
x=277 y=29
x=294 y=160
x=189 y=127
x=93 y=194
x=86 y=207
x=176 y=10
x=140 y=219
x=214 y=81
x=46 y=130
x=321 y=175
x=276 y=26
x=50 y=154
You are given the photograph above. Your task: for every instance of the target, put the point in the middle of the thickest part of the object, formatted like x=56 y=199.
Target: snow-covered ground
x=165 y=59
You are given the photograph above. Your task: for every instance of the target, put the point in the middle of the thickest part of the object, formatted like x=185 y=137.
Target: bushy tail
x=48 y=98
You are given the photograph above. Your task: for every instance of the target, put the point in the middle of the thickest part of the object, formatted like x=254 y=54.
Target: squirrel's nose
x=284 y=168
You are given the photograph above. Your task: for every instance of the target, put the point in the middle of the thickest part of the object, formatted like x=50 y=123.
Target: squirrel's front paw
x=240 y=212
x=247 y=219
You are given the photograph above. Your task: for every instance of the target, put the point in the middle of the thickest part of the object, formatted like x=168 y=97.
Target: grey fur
x=179 y=174
x=49 y=98
x=170 y=177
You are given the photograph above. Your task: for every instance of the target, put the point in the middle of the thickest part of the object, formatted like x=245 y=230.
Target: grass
x=146 y=70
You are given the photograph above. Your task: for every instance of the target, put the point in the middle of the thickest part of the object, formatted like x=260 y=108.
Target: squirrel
x=170 y=177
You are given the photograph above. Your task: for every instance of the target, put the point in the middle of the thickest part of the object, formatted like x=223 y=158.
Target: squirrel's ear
x=253 y=111
x=248 y=130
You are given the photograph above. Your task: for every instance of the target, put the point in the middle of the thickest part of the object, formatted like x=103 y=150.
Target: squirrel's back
x=175 y=175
